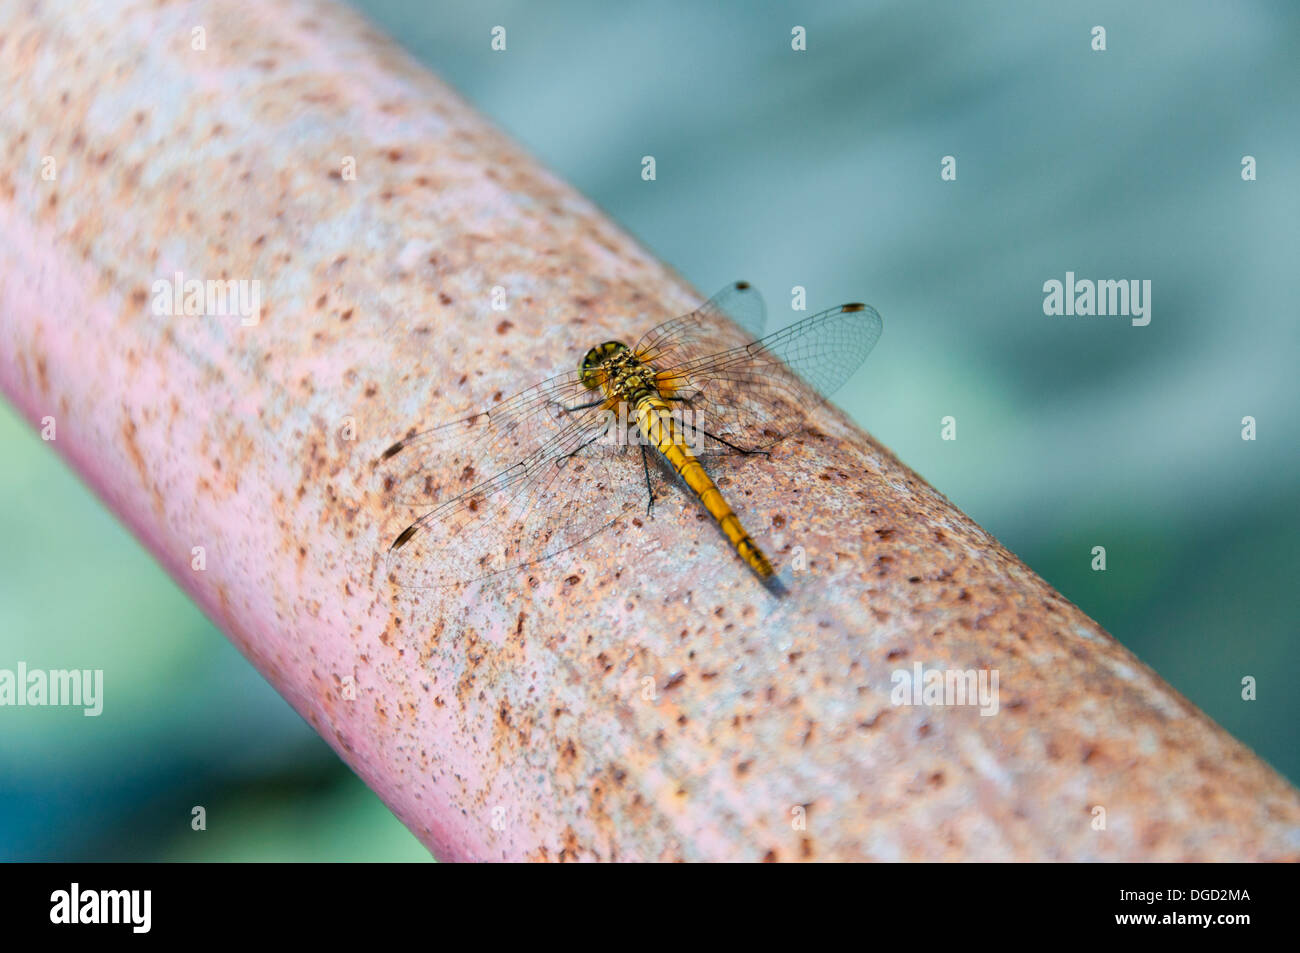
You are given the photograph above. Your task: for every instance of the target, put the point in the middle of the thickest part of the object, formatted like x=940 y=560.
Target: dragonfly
x=544 y=471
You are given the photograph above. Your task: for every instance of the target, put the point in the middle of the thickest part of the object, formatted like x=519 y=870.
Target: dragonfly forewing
x=758 y=392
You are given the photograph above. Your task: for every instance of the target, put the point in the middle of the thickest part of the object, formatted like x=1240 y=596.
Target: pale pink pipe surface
x=513 y=720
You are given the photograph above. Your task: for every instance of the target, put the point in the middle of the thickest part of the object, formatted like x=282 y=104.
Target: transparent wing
x=523 y=515
x=755 y=393
x=521 y=481
x=709 y=328
x=741 y=302
x=423 y=467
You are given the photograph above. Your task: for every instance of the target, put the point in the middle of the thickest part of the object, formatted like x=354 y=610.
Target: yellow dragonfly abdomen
x=655 y=420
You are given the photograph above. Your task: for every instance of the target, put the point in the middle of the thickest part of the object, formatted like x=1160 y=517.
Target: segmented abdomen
x=655 y=420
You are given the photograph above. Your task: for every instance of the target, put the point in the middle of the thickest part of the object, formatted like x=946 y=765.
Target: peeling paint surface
x=604 y=705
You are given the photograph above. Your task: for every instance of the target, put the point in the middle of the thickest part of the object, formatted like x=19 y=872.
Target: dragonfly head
x=595 y=366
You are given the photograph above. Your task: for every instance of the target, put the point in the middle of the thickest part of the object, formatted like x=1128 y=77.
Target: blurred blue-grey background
x=820 y=169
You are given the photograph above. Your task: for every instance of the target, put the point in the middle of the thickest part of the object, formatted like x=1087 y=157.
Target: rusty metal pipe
x=641 y=698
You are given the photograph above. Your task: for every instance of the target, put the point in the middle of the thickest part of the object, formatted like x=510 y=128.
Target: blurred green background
x=820 y=169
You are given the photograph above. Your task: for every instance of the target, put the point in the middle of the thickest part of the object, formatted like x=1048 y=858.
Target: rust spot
x=138 y=461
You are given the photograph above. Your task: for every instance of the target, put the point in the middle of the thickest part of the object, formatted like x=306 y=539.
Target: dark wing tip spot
x=856 y=306
x=404 y=538
x=742 y=285
x=393 y=450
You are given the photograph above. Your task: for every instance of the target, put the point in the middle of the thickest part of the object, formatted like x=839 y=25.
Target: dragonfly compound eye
x=595 y=366
x=590 y=366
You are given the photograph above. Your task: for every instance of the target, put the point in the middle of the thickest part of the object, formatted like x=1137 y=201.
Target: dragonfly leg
x=745 y=451
x=726 y=443
x=574 y=410
x=645 y=462
x=577 y=450
x=742 y=450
